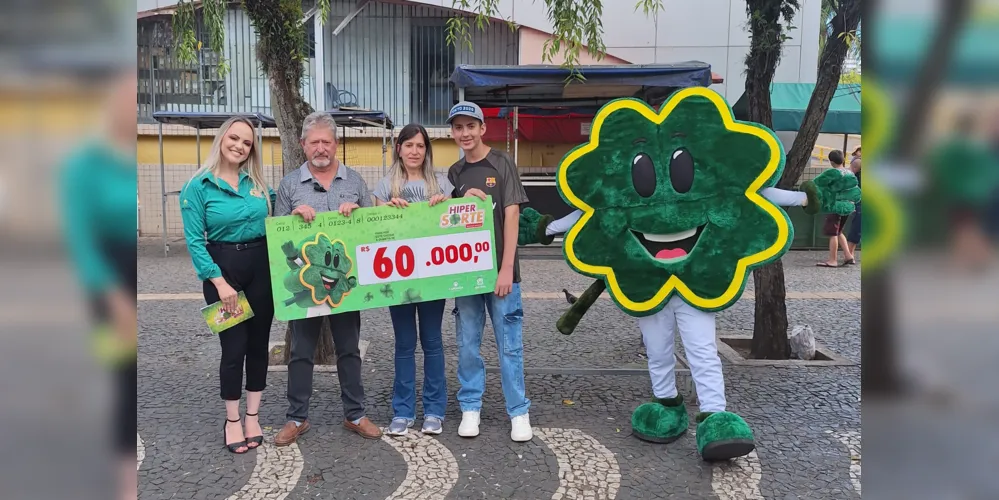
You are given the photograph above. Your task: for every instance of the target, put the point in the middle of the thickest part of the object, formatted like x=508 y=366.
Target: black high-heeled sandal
x=255 y=440
x=232 y=447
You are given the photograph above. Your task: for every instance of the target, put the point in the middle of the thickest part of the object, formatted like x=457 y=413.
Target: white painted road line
x=738 y=479
x=851 y=439
x=275 y=474
x=431 y=470
x=140 y=451
x=586 y=468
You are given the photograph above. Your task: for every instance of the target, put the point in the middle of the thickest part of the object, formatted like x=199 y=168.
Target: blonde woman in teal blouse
x=223 y=208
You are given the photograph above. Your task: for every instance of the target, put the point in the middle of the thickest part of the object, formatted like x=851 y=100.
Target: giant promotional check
x=380 y=257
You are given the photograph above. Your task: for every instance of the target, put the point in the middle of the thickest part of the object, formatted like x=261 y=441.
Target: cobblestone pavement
x=806 y=419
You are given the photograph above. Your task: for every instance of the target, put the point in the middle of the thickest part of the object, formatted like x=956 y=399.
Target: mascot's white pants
x=697 y=331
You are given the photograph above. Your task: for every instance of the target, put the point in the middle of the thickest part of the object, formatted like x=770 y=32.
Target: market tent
x=559 y=126
x=790 y=100
x=902 y=44
x=551 y=86
x=343 y=117
x=546 y=105
x=360 y=118
x=201 y=121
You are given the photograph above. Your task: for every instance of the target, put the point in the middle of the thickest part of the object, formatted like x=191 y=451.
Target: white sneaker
x=521 y=428
x=469 y=424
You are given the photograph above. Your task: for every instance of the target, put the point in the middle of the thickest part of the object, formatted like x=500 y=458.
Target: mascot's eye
x=329 y=258
x=643 y=175
x=336 y=260
x=681 y=170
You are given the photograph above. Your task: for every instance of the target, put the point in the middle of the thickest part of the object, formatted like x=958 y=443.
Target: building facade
x=394 y=57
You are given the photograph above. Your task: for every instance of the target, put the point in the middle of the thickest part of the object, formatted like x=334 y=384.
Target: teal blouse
x=98 y=191
x=213 y=211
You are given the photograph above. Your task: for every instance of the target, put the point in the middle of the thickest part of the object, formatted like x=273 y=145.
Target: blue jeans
x=507 y=315
x=854 y=235
x=434 y=382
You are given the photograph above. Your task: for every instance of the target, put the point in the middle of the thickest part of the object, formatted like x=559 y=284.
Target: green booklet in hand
x=219 y=320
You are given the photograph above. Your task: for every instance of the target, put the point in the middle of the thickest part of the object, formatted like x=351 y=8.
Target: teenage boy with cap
x=485 y=171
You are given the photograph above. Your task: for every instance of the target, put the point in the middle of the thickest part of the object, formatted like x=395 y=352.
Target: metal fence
x=388 y=57
x=166 y=84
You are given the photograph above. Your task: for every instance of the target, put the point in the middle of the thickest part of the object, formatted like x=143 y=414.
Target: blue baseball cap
x=465 y=108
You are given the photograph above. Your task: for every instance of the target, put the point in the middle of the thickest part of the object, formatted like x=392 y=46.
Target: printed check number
x=426 y=257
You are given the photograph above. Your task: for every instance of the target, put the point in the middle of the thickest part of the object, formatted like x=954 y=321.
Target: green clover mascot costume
x=675 y=208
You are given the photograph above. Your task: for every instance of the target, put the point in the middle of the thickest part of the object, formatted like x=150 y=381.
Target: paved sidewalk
x=806 y=419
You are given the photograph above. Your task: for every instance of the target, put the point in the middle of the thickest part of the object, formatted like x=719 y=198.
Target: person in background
x=223 y=208
x=97 y=186
x=853 y=238
x=834 y=224
x=412 y=180
x=485 y=171
x=992 y=215
x=965 y=175
x=323 y=184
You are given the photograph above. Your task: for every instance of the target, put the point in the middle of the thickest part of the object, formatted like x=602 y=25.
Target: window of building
x=432 y=61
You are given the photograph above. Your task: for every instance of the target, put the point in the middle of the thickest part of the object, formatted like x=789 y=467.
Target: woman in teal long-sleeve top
x=97 y=189
x=223 y=208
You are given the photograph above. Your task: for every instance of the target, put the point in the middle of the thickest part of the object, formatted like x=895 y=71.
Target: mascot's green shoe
x=723 y=436
x=660 y=420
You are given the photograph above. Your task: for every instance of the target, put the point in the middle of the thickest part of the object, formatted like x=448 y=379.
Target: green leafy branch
x=575 y=23
x=770 y=24
x=186 y=43
x=292 y=35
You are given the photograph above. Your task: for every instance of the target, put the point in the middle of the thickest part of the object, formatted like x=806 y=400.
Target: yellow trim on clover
x=878 y=109
x=881 y=244
x=674 y=283
x=312 y=289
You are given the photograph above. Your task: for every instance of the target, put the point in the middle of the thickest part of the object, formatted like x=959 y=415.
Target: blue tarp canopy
x=343 y=117
x=546 y=86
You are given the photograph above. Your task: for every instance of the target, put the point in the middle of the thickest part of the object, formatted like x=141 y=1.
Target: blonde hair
x=253 y=164
x=398 y=176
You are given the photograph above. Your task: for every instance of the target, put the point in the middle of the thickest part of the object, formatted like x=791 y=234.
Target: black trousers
x=346 y=331
x=124 y=259
x=246 y=270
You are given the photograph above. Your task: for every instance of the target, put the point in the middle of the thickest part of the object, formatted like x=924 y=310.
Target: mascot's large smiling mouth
x=669 y=247
x=329 y=283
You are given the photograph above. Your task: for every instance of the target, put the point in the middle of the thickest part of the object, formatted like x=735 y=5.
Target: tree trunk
x=913 y=116
x=830 y=68
x=277 y=47
x=290 y=111
x=770 y=318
